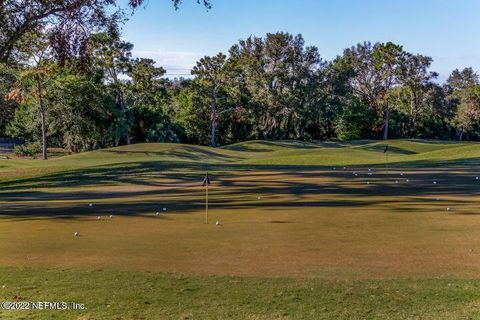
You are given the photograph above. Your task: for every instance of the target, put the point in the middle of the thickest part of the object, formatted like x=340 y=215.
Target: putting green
x=291 y=213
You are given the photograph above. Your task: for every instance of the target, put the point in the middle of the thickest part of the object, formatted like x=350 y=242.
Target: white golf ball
x=217 y=223
x=408 y=180
x=158 y=213
x=476 y=178
x=396 y=181
x=258 y=198
x=111 y=216
x=434 y=182
x=90 y=205
x=3 y=287
x=99 y=218
x=449 y=209
x=164 y=209
x=76 y=234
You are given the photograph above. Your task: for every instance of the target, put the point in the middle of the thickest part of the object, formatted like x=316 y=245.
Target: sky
x=446 y=30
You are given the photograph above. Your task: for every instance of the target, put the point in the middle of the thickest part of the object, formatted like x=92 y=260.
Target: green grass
x=301 y=237
x=119 y=295
x=255 y=153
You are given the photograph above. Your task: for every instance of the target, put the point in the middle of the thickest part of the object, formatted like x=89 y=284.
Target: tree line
x=69 y=80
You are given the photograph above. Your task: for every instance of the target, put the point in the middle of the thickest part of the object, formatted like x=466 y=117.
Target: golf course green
x=305 y=231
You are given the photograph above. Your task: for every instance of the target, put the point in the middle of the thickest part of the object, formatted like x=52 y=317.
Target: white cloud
x=175 y=62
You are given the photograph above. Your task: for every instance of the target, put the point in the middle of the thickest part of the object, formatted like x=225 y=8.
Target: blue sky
x=446 y=30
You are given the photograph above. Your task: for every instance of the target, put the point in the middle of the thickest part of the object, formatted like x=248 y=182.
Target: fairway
x=332 y=219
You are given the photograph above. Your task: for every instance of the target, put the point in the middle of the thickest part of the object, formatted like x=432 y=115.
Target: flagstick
x=386 y=161
x=206 y=204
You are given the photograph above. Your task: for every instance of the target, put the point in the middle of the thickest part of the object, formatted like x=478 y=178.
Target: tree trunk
x=301 y=132
x=413 y=112
x=121 y=103
x=42 y=116
x=214 y=125
x=124 y=112
x=385 y=128
x=288 y=130
x=213 y=115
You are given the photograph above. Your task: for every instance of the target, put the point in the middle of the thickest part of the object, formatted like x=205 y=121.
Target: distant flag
x=386 y=157
x=206 y=181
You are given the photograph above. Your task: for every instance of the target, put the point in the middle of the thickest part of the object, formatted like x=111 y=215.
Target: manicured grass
x=139 y=295
x=306 y=232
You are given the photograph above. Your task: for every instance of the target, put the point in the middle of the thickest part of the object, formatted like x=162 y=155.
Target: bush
x=162 y=132
x=355 y=122
x=27 y=150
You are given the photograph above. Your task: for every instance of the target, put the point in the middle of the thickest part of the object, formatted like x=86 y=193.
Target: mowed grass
x=308 y=231
x=138 y=295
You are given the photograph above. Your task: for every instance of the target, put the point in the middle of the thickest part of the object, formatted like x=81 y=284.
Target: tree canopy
x=69 y=23
x=69 y=80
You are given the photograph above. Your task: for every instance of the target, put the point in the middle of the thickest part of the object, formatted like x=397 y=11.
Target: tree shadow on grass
x=177 y=186
x=429 y=141
x=150 y=207
x=188 y=153
x=173 y=178
x=268 y=146
x=148 y=172
x=391 y=149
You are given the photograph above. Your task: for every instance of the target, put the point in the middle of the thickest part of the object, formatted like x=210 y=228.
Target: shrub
x=27 y=150
x=355 y=122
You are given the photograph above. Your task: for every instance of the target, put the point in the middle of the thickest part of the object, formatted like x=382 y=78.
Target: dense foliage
x=85 y=90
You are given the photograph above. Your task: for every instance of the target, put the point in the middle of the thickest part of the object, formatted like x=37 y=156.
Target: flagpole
x=386 y=158
x=206 y=182
x=206 y=204
x=386 y=161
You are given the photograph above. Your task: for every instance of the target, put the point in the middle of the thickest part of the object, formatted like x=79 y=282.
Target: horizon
x=178 y=41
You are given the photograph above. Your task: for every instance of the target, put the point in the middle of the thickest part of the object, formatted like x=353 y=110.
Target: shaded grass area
x=141 y=185
x=140 y=295
x=231 y=195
